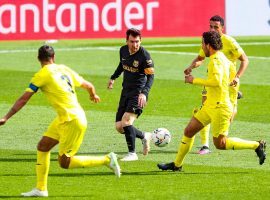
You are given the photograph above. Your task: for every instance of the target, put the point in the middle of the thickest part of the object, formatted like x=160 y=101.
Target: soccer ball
x=161 y=137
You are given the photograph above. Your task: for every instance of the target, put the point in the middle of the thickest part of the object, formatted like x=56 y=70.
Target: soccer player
x=217 y=108
x=233 y=52
x=138 y=68
x=58 y=83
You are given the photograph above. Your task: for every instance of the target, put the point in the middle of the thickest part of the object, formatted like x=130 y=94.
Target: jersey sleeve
x=37 y=81
x=149 y=64
x=119 y=68
x=237 y=51
x=213 y=78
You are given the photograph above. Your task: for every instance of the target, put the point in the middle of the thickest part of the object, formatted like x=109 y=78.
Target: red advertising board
x=62 y=19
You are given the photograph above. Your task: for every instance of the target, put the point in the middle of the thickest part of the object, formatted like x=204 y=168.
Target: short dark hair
x=217 y=18
x=213 y=39
x=45 y=52
x=134 y=32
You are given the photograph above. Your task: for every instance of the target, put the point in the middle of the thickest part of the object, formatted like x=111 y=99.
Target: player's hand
x=110 y=84
x=2 y=121
x=188 y=71
x=95 y=98
x=235 y=81
x=142 y=100
x=189 y=79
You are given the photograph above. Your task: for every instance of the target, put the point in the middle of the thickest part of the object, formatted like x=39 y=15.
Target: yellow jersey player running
x=217 y=108
x=58 y=83
x=233 y=52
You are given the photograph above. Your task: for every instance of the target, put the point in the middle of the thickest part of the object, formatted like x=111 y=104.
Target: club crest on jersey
x=135 y=63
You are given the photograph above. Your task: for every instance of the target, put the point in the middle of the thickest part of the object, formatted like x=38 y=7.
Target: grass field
x=219 y=175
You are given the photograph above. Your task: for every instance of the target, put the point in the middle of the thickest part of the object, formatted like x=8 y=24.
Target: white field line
x=114 y=48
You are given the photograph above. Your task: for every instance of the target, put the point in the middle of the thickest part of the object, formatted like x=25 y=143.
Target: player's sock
x=88 y=161
x=139 y=134
x=237 y=143
x=204 y=135
x=130 y=134
x=42 y=169
x=185 y=146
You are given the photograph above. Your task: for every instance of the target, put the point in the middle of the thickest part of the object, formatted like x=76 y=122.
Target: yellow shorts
x=218 y=117
x=69 y=134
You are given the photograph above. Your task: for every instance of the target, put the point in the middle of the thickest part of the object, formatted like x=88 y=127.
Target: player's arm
x=89 y=87
x=243 y=66
x=194 y=64
x=17 y=106
x=214 y=81
x=115 y=75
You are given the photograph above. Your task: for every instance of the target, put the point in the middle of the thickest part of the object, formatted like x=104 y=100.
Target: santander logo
x=75 y=16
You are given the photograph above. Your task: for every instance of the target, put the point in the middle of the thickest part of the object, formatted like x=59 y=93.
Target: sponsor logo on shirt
x=135 y=63
x=130 y=69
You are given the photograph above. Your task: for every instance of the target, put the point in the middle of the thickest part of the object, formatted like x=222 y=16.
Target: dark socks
x=130 y=135
x=139 y=134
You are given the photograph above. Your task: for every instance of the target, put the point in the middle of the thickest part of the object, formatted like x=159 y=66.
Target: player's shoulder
x=124 y=48
x=228 y=39
x=144 y=52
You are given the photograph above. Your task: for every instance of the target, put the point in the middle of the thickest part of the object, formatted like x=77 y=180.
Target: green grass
x=219 y=175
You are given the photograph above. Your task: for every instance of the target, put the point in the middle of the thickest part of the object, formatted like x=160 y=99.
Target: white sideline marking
x=116 y=48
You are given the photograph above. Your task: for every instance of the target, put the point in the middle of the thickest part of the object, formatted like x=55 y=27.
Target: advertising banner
x=71 y=19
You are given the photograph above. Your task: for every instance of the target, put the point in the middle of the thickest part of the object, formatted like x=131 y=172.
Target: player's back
x=59 y=88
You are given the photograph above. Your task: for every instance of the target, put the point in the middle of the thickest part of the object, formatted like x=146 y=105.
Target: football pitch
x=218 y=175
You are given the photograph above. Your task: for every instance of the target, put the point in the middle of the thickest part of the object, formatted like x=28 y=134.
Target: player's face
x=133 y=43
x=205 y=49
x=215 y=26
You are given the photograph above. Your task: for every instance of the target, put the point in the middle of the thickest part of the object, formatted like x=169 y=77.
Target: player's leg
x=220 y=126
x=204 y=136
x=47 y=142
x=196 y=123
x=130 y=134
x=204 y=133
x=72 y=135
x=187 y=141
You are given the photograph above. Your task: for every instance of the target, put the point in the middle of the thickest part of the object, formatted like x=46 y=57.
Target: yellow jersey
x=58 y=83
x=217 y=82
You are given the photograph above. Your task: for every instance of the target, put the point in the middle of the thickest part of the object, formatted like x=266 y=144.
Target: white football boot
x=35 y=193
x=130 y=157
x=114 y=164
x=146 y=142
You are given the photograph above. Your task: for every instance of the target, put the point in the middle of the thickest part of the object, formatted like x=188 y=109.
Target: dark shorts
x=128 y=103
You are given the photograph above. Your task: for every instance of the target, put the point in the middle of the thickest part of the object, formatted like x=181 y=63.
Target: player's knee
x=43 y=147
x=220 y=145
x=119 y=128
x=64 y=161
x=125 y=123
x=188 y=132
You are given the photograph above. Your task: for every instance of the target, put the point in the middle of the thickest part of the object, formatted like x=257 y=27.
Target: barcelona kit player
x=138 y=69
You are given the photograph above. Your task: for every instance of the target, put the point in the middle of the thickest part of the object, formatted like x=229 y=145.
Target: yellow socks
x=237 y=143
x=88 y=161
x=185 y=146
x=204 y=135
x=42 y=169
